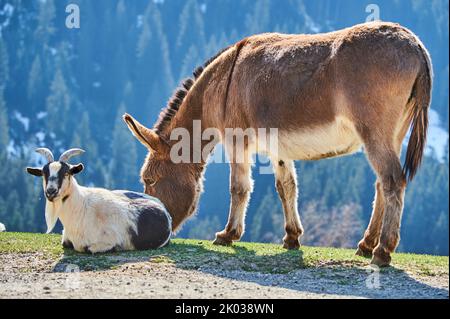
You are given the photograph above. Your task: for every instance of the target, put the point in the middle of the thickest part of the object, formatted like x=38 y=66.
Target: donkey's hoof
x=221 y=241
x=291 y=244
x=381 y=259
x=363 y=251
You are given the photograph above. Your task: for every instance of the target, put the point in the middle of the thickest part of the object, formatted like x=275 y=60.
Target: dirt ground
x=32 y=275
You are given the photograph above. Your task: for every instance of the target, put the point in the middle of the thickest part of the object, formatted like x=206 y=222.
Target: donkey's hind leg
x=372 y=233
x=386 y=164
x=286 y=184
x=241 y=186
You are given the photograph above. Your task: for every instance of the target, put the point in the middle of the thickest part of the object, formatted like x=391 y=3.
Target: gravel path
x=35 y=276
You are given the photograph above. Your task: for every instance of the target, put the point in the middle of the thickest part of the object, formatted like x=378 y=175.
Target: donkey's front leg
x=241 y=186
x=286 y=184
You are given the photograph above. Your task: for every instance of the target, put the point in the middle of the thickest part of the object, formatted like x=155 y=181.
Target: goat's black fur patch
x=46 y=172
x=153 y=224
x=67 y=244
x=131 y=194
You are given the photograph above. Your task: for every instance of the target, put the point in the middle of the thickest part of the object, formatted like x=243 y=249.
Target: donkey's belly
x=329 y=140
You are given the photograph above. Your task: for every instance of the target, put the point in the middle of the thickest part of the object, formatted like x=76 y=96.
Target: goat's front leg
x=241 y=186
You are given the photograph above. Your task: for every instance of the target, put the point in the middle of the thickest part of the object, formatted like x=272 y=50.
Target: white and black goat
x=95 y=219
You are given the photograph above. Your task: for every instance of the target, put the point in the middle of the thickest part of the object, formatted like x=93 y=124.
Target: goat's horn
x=46 y=153
x=69 y=153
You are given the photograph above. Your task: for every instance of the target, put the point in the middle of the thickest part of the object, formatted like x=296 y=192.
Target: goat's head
x=57 y=174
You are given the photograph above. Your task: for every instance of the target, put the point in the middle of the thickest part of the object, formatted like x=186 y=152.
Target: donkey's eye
x=151 y=182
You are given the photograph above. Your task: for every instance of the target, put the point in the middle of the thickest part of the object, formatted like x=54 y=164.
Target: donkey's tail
x=419 y=101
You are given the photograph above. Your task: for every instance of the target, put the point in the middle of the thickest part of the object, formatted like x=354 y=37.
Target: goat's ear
x=34 y=171
x=75 y=169
x=146 y=136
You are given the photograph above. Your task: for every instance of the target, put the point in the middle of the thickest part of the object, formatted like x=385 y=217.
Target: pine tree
x=123 y=172
x=4 y=75
x=4 y=63
x=16 y=221
x=94 y=173
x=190 y=61
x=153 y=55
x=144 y=39
x=258 y=21
x=45 y=27
x=204 y=228
x=58 y=106
x=4 y=134
x=268 y=221
x=35 y=88
x=191 y=27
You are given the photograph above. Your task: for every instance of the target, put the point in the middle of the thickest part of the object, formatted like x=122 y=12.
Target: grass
x=197 y=254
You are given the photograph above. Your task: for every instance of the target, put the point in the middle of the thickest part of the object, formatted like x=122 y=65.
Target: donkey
x=328 y=94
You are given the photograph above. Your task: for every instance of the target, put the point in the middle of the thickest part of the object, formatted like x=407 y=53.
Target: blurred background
x=64 y=88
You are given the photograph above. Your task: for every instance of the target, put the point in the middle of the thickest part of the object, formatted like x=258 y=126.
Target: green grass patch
x=31 y=242
x=198 y=254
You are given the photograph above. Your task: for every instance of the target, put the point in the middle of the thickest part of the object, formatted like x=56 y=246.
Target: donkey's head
x=56 y=174
x=177 y=185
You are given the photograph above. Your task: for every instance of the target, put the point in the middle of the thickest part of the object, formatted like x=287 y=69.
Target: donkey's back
x=321 y=91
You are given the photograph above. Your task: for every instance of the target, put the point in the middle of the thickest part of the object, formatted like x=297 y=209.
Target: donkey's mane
x=180 y=93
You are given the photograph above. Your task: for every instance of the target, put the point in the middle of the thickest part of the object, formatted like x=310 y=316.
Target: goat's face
x=56 y=178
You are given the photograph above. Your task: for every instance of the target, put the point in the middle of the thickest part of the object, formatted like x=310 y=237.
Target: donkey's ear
x=34 y=171
x=146 y=136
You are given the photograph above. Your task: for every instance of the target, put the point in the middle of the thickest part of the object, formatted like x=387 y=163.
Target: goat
x=97 y=220
x=2 y=227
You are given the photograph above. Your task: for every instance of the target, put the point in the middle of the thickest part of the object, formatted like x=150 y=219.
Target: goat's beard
x=51 y=215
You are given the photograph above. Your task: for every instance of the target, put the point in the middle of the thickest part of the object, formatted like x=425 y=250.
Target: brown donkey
x=328 y=95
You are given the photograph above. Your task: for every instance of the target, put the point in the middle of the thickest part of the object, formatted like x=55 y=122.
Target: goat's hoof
x=381 y=258
x=222 y=241
x=291 y=244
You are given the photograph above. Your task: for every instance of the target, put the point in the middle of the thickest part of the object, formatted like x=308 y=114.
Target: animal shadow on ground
x=289 y=269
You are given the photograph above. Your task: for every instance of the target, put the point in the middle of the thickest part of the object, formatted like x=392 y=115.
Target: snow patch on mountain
x=40 y=136
x=41 y=115
x=25 y=121
x=5 y=13
x=437 y=139
x=139 y=21
x=10 y=149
